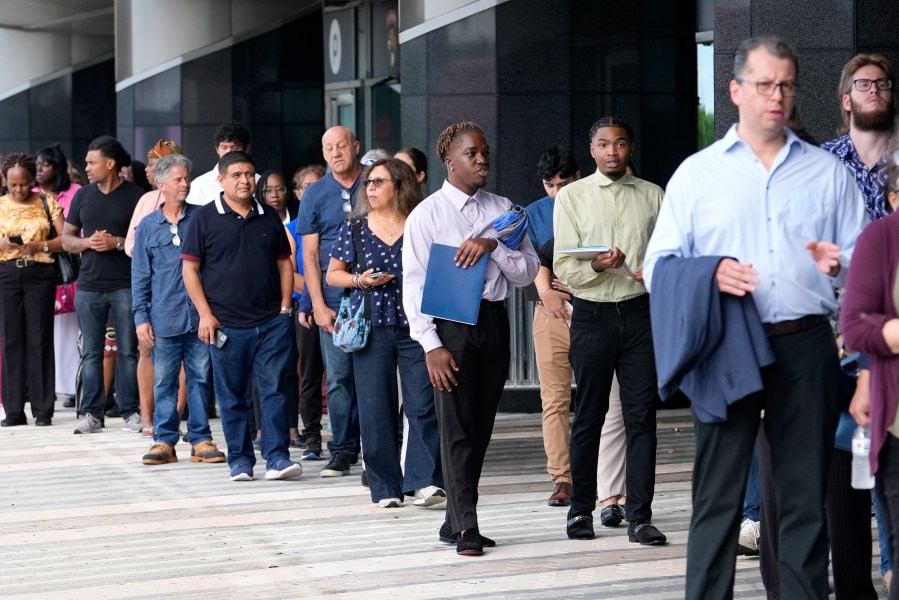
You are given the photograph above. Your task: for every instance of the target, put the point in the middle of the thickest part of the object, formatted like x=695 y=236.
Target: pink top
x=147 y=204
x=64 y=199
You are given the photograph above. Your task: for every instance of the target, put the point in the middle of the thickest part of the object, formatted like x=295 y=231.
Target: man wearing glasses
x=167 y=321
x=326 y=204
x=782 y=217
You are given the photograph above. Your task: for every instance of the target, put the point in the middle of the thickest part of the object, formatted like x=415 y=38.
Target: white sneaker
x=748 y=544
x=429 y=496
x=133 y=424
x=390 y=503
x=88 y=423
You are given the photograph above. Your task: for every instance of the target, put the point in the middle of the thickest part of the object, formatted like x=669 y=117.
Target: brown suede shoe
x=160 y=453
x=206 y=452
x=561 y=494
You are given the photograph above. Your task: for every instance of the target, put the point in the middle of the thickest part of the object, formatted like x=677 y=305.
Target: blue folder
x=451 y=292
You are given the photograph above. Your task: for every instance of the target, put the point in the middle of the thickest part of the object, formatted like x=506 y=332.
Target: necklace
x=382 y=227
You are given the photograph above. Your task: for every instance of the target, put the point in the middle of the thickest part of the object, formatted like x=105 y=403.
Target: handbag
x=351 y=330
x=67 y=265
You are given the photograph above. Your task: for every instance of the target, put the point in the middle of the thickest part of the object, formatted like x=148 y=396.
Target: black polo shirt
x=238 y=261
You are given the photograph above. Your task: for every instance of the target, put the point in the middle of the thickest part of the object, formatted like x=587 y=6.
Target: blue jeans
x=753 y=497
x=93 y=310
x=375 y=368
x=343 y=413
x=168 y=352
x=259 y=352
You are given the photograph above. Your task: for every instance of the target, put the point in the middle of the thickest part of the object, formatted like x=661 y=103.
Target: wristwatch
x=287 y=310
x=46 y=249
x=119 y=243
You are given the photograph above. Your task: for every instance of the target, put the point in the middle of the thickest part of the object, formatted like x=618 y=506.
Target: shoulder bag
x=67 y=264
x=351 y=330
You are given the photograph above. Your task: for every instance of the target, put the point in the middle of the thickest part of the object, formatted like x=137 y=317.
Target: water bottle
x=861 y=467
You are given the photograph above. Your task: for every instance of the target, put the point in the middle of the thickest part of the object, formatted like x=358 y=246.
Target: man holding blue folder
x=467 y=364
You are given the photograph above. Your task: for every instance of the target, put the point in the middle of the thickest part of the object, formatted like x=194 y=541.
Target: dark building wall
x=70 y=110
x=535 y=74
x=826 y=34
x=272 y=83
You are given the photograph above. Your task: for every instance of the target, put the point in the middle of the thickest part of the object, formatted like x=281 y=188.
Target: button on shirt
x=722 y=201
x=158 y=293
x=449 y=216
x=596 y=211
x=869 y=181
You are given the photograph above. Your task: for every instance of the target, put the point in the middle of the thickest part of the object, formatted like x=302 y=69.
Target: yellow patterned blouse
x=29 y=221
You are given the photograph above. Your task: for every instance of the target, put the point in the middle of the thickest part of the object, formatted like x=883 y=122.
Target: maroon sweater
x=867 y=305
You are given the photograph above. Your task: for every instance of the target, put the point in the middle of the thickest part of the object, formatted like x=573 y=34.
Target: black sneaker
x=69 y=402
x=338 y=466
x=363 y=479
x=313 y=450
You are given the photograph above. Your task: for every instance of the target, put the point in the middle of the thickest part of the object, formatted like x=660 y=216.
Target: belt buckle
x=22 y=262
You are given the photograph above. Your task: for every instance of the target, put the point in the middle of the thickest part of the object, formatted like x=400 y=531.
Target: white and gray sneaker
x=748 y=544
x=88 y=423
x=133 y=424
x=429 y=496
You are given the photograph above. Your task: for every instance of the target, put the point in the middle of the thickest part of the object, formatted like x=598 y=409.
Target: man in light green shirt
x=610 y=327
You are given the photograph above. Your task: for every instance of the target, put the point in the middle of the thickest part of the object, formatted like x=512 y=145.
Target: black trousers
x=801 y=401
x=312 y=373
x=27 y=296
x=607 y=337
x=886 y=487
x=465 y=415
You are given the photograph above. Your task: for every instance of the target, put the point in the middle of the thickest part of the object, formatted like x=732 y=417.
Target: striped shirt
x=596 y=211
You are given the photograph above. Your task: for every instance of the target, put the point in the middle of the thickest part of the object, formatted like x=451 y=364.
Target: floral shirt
x=29 y=221
x=869 y=181
x=386 y=301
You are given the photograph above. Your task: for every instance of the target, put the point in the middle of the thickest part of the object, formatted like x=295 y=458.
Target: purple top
x=867 y=305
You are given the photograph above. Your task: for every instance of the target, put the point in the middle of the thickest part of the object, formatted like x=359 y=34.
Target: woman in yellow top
x=27 y=293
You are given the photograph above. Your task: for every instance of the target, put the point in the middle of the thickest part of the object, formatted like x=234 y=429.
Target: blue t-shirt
x=540 y=218
x=386 y=301
x=321 y=212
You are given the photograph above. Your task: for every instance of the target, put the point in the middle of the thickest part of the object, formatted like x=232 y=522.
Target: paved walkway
x=81 y=517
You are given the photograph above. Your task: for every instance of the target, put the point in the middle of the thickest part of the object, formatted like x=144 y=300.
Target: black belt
x=490 y=304
x=635 y=302
x=19 y=263
x=794 y=326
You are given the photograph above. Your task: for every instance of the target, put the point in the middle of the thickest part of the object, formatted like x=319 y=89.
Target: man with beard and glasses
x=868 y=107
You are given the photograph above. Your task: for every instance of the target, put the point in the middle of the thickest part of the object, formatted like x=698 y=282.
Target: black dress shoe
x=611 y=515
x=469 y=543
x=580 y=526
x=43 y=422
x=644 y=532
x=11 y=422
x=447 y=536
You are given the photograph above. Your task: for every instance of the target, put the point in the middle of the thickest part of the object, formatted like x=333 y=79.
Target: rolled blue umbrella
x=512 y=226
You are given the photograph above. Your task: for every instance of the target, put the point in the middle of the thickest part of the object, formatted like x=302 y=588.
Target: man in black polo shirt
x=101 y=213
x=237 y=271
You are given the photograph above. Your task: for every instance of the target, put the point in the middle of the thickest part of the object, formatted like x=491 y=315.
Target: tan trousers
x=551 y=342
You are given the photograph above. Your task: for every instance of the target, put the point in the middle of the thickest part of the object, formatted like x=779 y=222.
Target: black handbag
x=67 y=264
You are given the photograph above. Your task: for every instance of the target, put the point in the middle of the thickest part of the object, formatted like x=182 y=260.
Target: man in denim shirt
x=167 y=321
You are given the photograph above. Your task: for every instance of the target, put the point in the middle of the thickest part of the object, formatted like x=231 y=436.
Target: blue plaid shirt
x=869 y=181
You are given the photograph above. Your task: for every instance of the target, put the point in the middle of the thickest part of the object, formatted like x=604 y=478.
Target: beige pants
x=551 y=343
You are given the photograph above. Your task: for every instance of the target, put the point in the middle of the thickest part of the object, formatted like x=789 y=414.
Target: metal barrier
x=523 y=365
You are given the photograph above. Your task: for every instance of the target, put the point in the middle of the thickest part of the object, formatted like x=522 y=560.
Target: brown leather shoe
x=561 y=494
x=206 y=452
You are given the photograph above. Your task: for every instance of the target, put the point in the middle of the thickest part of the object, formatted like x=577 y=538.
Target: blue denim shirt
x=157 y=288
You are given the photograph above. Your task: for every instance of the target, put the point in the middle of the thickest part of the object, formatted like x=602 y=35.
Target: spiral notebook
x=451 y=292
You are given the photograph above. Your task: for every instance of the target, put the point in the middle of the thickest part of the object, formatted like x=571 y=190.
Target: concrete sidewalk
x=81 y=517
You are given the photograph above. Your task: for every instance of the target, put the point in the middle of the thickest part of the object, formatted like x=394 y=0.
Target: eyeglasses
x=275 y=190
x=173 y=229
x=347 y=207
x=378 y=181
x=766 y=88
x=303 y=186
x=863 y=85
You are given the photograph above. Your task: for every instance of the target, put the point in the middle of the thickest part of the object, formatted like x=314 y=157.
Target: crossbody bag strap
x=356 y=227
x=49 y=218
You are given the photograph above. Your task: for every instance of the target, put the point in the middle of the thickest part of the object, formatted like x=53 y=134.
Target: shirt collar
x=457 y=197
x=185 y=212
x=223 y=208
x=604 y=181
x=732 y=138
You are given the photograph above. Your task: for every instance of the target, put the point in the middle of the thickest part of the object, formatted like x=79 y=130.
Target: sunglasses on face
x=378 y=181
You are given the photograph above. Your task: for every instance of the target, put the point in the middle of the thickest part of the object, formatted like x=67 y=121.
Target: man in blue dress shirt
x=786 y=214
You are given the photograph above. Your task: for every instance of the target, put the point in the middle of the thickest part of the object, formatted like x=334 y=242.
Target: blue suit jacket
x=709 y=345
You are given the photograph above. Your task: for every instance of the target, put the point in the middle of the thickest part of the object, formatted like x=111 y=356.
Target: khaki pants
x=551 y=343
